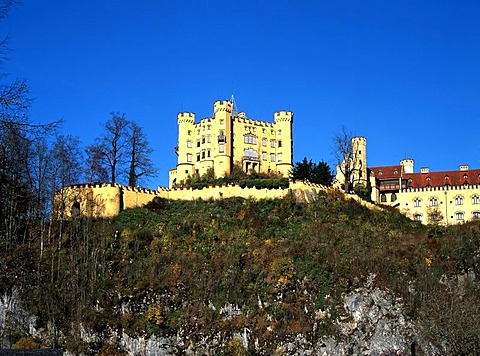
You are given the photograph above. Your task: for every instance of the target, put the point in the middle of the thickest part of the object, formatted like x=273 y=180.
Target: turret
x=222 y=130
x=407 y=165
x=283 y=125
x=184 y=150
x=359 y=151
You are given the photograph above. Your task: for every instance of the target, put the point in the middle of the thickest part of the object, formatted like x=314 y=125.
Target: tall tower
x=407 y=165
x=359 y=152
x=223 y=135
x=283 y=125
x=184 y=149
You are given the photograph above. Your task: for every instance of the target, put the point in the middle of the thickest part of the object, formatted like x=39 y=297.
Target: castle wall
x=454 y=204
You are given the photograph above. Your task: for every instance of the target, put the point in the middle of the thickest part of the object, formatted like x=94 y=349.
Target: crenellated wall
x=107 y=200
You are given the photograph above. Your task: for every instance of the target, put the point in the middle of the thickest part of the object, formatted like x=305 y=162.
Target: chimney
x=424 y=170
x=464 y=167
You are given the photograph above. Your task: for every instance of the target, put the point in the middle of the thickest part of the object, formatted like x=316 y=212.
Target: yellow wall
x=448 y=205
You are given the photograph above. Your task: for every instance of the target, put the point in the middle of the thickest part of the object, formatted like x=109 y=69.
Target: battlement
x=186 y=117
x=253 y=122
x=283 y=116
x=222 y=105
x=359 y=139
x=442 y=188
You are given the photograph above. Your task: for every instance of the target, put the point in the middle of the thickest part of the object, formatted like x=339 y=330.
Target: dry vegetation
x=170 y=267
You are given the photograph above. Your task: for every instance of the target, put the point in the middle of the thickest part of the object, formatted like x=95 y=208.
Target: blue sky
x=405 y=74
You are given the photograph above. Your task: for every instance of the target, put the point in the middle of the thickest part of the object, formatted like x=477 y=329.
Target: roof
x=386 y=172
x=438 y=179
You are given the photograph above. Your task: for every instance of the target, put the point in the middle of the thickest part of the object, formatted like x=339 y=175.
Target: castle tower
x=223 y=136
x=359 y=151
x=407 y=165
x=283 y=125
x=184 y=149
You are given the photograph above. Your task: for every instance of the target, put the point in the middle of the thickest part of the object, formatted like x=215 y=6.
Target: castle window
x=279 y=132
x=417 y=203
x=198 y=143
x=417 y=217
x=383 y=198
x=395 y=171
x=380 y=172
x=203 y=154
x=250 y=153
x=189 y=132
x=198 y=157
x=475 y=199
x=459 y=216
x=433 y=201
x=279 y=144
x=208 y=153
x=272 y=144
x=264 y=142
x=279 y=157
x=208 y=139
x=189 y=157
x=393 y=197
x=221 y=148
x=203 y=139
x=189 y=144
x=75 y=209
x=264 y=156
x=476 y=215
x=272 y=132
x=409 y=182
x=250 y=139
x=272 y=157
x=209 y=127
x=458 y=200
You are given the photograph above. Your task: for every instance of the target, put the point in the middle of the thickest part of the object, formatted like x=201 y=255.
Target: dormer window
x=380 y=172
x=395 y=171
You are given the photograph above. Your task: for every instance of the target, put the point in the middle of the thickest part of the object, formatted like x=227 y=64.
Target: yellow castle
x=446 y=197
x=228 y=138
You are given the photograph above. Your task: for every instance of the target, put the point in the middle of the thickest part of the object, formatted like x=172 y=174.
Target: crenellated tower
x=184 y=149
x=283 y=124
x=359 y=152
x=222 y=130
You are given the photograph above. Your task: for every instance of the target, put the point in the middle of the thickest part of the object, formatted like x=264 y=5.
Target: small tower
x=283 y=126
x=222 y=130
x=359 y=152
x=407 y=165
x=184 y=149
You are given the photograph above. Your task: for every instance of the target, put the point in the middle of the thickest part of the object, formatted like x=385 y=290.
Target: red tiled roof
x=386 y=172
x=438 y=179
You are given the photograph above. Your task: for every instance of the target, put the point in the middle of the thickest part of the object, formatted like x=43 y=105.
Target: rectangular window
x=203 y=139
x=272 y=157
x=208 y=153
x=279 y=144
x=221 y=148
x=264 y=142
x=476 y=215
x=279 y=157
x=459 y=216
x=198 y=143
x=208 y=139
x=250 y=139
x=189 y=157
x=203 y=154
x=198 y=157
x=475 y=200
x=417 y=217
x=272 y=144
x=264 y=156
x=189 y=144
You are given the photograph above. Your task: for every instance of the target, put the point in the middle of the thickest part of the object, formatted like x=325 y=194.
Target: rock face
x=374 y=323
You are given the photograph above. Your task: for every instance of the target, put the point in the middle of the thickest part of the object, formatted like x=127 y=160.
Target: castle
x=447 y=197
x=228 y=138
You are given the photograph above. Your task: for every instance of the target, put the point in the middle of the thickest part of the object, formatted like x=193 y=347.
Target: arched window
x=458 y=200
x=417 y=203
x=433 y=202
x=393 y=197
x=476 y=215
x=75 y=209
x=475 y=199
x=417 y=217
x=383 y=198
x=459 y=216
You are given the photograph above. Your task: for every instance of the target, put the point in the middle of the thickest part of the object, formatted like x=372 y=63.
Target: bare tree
x=112 y=145
x=343 y=151
x=141 y=165
x=95 y=170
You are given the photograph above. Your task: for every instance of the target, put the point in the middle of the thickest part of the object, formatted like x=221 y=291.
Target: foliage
x=173 y=265
x=364 y=192
x=307 y=170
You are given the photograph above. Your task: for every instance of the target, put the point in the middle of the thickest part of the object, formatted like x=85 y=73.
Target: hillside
x=239 y=276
